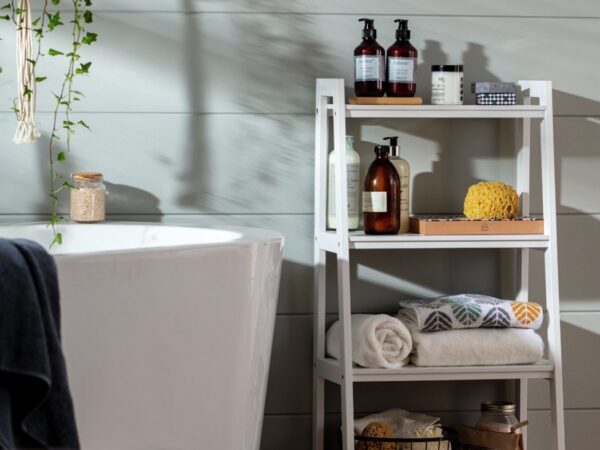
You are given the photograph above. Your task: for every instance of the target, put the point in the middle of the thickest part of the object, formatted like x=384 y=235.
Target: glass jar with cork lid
x=88 y=197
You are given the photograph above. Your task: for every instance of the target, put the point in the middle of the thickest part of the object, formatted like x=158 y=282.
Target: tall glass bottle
x=403 y=169
x=369 y=64
x=381 y=195
x=401 y=64
x=353 y=187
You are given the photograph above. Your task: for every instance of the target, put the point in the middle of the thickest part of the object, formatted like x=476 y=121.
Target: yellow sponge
x=491 y=200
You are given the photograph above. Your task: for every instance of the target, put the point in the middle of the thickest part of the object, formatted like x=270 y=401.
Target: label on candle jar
x=375 y=202
x=401 y=70
x=368 y=68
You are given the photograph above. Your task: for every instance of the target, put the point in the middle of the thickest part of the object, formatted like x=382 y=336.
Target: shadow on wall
x=273 y=38
x=129 y=200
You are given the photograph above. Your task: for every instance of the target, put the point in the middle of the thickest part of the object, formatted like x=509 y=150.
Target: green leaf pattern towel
x=469 y=311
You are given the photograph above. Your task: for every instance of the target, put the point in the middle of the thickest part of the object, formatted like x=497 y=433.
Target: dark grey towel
x=36 y=410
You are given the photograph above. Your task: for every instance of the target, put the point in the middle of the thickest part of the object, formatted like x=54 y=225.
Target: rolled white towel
x=378 y=341
x=477 y=347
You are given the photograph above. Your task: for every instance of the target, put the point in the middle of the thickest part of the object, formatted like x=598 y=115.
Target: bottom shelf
x=330 y=369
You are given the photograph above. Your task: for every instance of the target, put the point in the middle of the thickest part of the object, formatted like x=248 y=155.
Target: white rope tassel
x=27 y=132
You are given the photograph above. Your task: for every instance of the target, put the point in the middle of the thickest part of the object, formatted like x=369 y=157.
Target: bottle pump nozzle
x=369 y=30
x=402 y=32
x=394 y=148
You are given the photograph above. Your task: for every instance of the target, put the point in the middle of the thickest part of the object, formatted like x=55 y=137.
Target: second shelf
x=360 y=241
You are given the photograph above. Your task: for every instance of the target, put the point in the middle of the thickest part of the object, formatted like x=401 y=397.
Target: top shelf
x=444 y=111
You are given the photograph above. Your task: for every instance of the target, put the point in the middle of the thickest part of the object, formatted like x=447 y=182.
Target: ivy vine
x=48 y=21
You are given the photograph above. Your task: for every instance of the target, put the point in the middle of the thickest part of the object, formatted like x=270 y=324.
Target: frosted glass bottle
x=403 y=169
x=353 y=180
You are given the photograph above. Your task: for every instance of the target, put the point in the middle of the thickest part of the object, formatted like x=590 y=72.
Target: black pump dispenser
x=394 y=148
x=402 y=33
x=382 y=150
x=369 y=31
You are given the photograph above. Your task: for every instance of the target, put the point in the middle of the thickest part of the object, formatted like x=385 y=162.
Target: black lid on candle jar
x=446 y=68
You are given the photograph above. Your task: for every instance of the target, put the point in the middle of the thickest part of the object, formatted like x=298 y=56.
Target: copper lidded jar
x=88 y=197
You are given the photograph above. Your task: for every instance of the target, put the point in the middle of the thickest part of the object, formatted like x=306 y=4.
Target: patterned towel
x=469 y=311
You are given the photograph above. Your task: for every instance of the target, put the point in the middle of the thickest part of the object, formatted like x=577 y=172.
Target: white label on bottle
x=368 y=68
x=352 y=180
x=401 y=70
x=375 y=202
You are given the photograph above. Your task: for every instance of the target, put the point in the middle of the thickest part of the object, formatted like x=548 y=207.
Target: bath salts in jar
x=88 y=197
x=497 y=416
x=446 y=85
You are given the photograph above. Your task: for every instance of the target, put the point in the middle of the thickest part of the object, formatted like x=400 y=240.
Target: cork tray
x=445 y=225
x=385 y=100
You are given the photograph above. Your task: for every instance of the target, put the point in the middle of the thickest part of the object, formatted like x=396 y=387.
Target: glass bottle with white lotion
x=403 y=170
x=353 y=187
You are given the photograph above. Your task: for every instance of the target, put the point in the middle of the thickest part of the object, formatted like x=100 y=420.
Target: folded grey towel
x=36 y=410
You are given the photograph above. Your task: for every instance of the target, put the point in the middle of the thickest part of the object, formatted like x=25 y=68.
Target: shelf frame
x=330 y=103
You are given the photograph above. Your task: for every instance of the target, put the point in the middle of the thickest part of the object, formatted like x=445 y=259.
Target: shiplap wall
x=202 y=113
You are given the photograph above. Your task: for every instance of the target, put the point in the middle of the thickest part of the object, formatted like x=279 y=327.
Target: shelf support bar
x=522 y=262
x=544 y=92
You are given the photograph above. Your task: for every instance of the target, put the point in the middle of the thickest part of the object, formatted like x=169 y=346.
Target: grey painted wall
x=202 y=113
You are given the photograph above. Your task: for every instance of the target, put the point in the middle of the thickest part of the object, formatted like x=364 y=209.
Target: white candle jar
x=446 y=85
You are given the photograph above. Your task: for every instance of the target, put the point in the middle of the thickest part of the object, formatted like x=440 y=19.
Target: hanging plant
x=28 y=57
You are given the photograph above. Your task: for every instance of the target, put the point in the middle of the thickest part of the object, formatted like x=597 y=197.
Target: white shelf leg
x=522 y=266
x=319 y=309
x=551 y=268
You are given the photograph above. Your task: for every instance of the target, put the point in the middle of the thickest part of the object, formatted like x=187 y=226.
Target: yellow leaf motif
x=526 y=313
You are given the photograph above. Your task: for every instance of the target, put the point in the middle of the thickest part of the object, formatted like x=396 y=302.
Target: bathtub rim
x=249 y=236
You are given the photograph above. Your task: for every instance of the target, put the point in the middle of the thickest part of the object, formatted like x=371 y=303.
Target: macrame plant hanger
x=27 y=132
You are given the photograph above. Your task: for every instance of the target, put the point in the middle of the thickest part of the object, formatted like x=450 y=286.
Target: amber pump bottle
x=381 y=195
x=369 y=64
x=401 y=64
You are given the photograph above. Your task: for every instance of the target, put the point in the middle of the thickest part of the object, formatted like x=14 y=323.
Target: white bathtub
x=167 y=332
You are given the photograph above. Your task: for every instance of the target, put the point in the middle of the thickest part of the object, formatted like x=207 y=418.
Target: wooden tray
x=445 y=225
x=385 y=100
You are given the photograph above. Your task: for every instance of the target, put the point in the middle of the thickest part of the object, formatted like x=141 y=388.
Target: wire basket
x=444 y=442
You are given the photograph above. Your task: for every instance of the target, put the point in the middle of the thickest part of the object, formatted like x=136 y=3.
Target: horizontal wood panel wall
x=201 y=113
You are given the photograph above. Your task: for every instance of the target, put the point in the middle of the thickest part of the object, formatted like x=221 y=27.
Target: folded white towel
x=378 y=341
x=476 y=347
x=404 y=424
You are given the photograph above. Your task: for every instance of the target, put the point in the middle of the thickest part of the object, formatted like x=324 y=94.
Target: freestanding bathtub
x=167 y=332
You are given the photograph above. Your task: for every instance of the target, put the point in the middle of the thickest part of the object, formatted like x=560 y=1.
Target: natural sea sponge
x=380 y=430
x=491 y=200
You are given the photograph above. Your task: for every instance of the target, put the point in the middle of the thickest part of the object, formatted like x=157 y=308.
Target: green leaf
x=88 y=2
x=31 y=61
x=467 y=313
x=55 y=2
x=53 y=52
x=7 y=6
x=54 y=21
x=6 y=17
x=83 y=68
x=89 y=38
x=68 y=185
x=78 y=93
x=57 y=237
x=60 y=156
x=88 y=16
x=36 y=21
x=27 y=92
x=83 y=124
x=67 y=124
x=40 y=79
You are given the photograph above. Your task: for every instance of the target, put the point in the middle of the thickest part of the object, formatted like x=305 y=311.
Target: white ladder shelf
x=330 y=101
